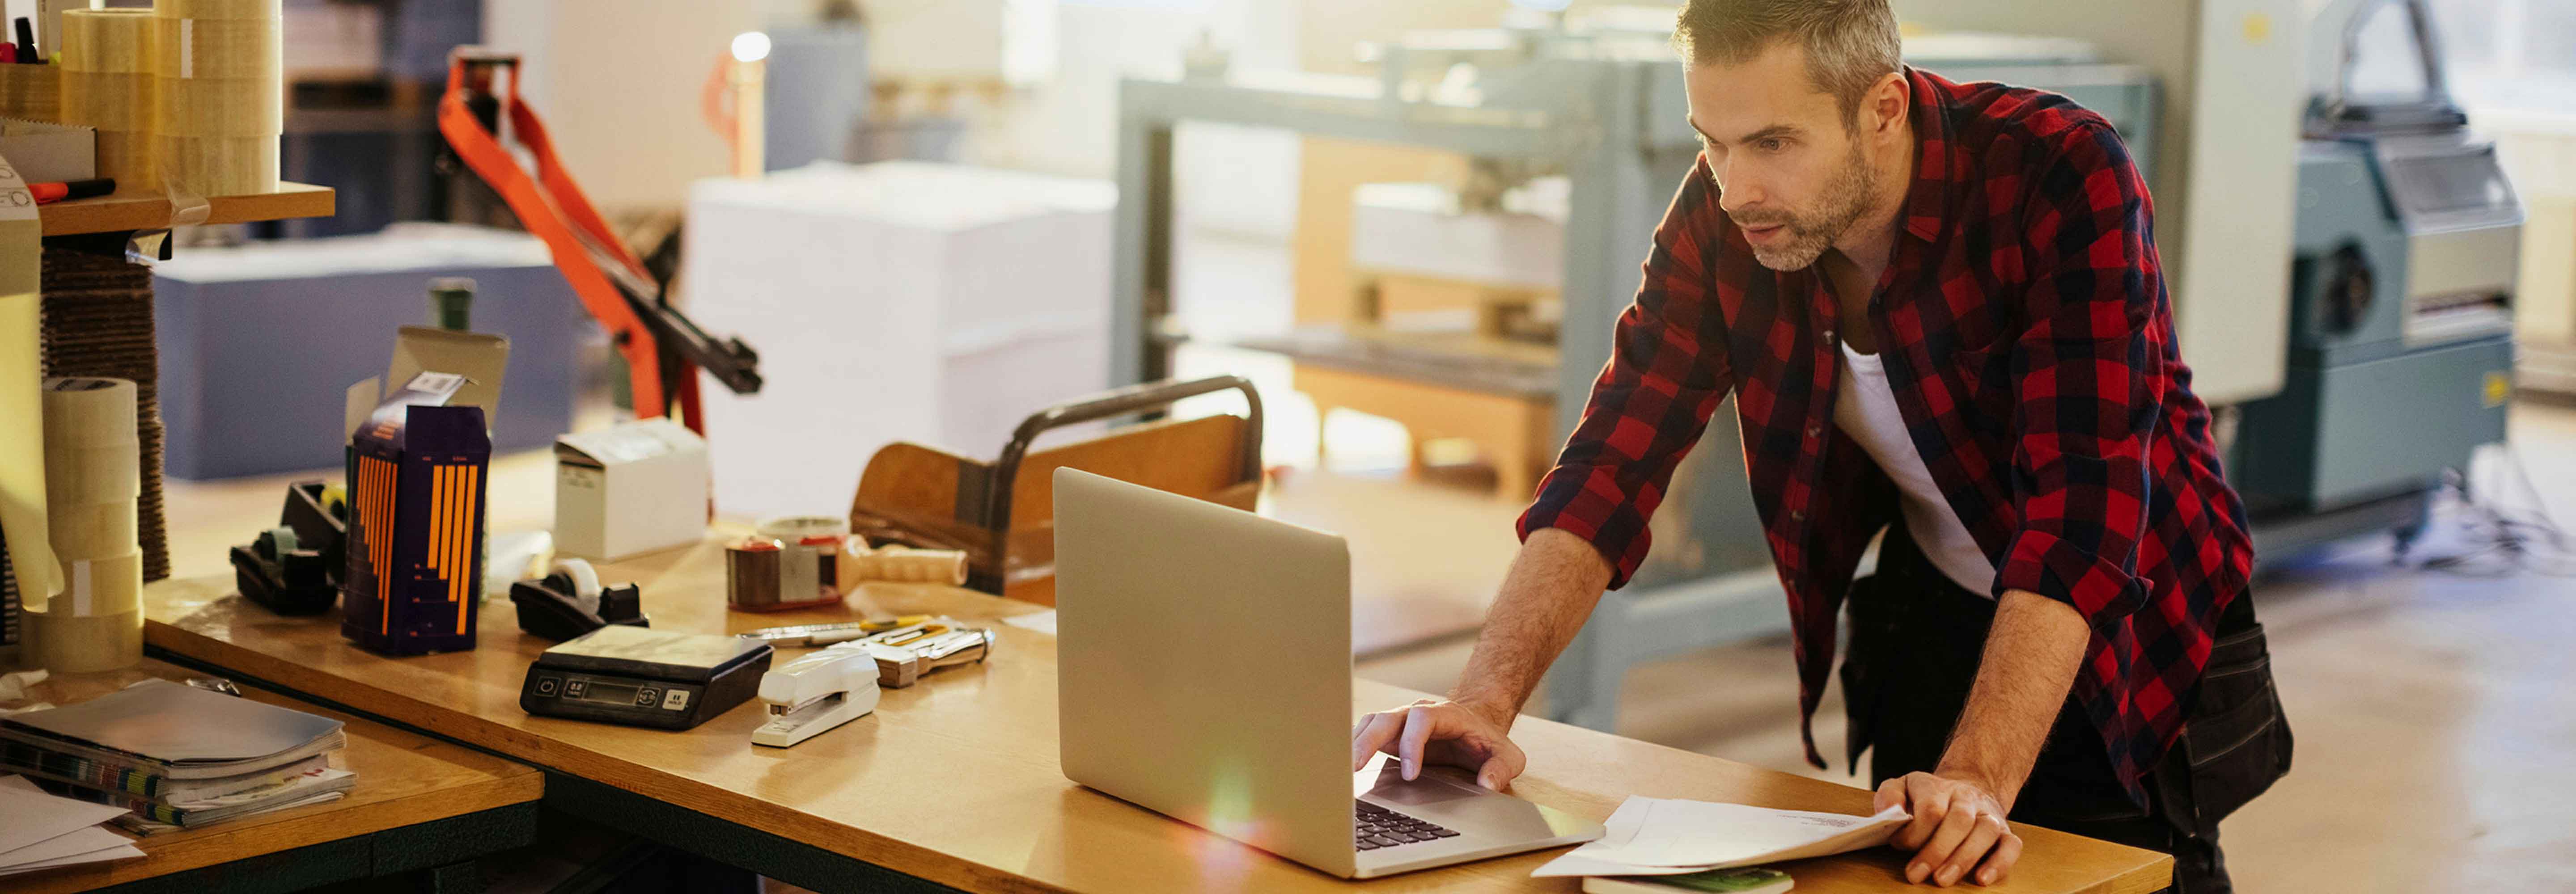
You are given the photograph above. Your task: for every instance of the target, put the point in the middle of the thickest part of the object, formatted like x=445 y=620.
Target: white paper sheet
x=1656 y=836
x=1042 y=622
x=119 y=852
x=29 y=816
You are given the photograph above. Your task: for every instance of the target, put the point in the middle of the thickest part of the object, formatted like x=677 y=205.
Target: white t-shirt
x=1866 y=410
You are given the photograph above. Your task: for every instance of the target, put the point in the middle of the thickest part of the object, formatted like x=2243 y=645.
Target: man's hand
x=1442 y=732
x=1958 y=824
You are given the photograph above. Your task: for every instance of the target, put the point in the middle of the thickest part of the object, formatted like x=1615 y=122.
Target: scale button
x=576 y=687
x=546 y=685
x=676 y=699
x=646 y=696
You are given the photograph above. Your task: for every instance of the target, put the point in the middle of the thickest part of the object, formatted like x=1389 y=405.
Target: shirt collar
x=1935 y=163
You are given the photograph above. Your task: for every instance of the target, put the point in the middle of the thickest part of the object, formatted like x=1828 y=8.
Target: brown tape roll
x=128 y=157
x=33 y=92
x=74 y=644
x=104 y=586
x=108 y=101
x=217 y=166
x=897 y=564
x=219 y=9
x=218 y=48
x=217 y=107
x=107 y=40
x=91 y=530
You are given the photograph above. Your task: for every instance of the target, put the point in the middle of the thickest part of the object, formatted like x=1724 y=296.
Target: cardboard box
x=628 y=490
x=44 y=152
x=415 y=553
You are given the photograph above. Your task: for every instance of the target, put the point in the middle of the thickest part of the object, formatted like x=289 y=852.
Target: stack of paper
x=40 y=831
x=1658 y=836
x=177 y=755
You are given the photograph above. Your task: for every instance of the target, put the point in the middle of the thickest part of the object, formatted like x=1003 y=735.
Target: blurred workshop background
x=1408 y=226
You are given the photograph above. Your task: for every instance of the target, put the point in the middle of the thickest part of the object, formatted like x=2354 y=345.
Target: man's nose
x=1737 y=192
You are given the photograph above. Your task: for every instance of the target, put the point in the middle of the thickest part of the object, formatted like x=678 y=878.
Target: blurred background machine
x=2401 y=332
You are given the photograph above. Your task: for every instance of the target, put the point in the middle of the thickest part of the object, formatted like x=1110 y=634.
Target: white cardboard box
x=629 y=489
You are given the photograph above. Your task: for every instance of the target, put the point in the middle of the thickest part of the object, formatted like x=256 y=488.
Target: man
x=1939 y=310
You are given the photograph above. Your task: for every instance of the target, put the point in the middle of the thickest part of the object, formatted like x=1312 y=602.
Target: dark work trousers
x=1917 y=639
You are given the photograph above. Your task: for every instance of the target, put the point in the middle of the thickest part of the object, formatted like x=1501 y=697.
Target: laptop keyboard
x=1380 y=827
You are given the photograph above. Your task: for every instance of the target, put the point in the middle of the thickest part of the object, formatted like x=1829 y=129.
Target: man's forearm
x=1549 y=592
x=2032 y=654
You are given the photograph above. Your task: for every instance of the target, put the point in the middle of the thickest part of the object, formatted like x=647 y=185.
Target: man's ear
x=1883 y=108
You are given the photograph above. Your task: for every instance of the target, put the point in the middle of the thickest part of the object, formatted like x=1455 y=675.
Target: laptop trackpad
x=1432 y=787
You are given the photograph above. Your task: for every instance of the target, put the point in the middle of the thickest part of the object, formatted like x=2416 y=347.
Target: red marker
x=49 y=193
x=8 y=54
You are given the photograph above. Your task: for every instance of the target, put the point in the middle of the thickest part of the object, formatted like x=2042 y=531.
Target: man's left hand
x=1958 y=832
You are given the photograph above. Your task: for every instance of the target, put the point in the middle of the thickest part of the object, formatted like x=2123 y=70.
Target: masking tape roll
x=585 y=579
x=219 y=9
x=83 y=411
x=76 y=644
x=128 y=157
x=790 y=528
x=899 y=564
x=107 y=40
x=216 y=166
x=217 y=107
x=103 y=586
x=218 y=49
x=119 y=101
x=33 y=92
x=91 y=530
x=78 y=475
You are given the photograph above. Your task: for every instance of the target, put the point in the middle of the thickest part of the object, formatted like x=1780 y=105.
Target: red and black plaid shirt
x=2027 y=335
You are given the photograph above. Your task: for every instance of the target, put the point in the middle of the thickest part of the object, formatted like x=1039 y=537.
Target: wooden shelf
x=151 y=211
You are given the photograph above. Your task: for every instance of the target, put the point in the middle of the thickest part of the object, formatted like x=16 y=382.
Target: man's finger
x=1960 y=820
x=1987 y=830
x=1999 y=864
x=1375 y=734
x=1890 y=794
x=1496 y=773
x=1930 y=801
x=1417 y=734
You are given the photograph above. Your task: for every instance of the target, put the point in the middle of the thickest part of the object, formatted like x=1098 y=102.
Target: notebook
x=169 y=729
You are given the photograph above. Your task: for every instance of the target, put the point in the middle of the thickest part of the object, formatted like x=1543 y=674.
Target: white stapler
x=817 y=692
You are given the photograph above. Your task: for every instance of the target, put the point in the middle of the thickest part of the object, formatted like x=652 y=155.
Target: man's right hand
x=1441 y=732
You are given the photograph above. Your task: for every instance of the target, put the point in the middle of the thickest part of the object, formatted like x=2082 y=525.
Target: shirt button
x=1828 y=336
x=1815 y=431
x=1798 y=514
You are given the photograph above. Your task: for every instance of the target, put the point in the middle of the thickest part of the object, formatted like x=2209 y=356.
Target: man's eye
x=1772 y=144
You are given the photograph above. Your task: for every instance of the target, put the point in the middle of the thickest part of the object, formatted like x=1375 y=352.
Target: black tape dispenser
x=569 y=602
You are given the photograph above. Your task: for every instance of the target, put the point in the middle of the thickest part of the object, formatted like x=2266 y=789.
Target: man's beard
x=1845 y=199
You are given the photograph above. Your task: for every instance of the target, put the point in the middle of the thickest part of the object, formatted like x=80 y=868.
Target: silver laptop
x=1204 y=662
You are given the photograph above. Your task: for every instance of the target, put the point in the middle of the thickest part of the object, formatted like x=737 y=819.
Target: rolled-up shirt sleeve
x=2087 y=397
x=1666 y=375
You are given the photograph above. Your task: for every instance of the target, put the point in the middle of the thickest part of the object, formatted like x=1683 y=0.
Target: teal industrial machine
x=2401 y=349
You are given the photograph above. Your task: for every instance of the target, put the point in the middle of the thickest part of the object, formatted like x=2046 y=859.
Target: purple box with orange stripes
x=415 y=576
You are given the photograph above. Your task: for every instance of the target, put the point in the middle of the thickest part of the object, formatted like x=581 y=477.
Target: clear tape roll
x=218 y=107
x=585 y=579
x=83 y=411
x=107 y=40
x=90 y=530
x=215 y=166
x=127 y=155
x=218 y=49
x=899 y=564
x=219 y=9
x=103 y=586
x=792 y=527
x=81 y=644
x=119 y=101
x=78 y=475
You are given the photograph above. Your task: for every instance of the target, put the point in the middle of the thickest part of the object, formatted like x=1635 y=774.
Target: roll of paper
x=80 y=644
x=900 y=564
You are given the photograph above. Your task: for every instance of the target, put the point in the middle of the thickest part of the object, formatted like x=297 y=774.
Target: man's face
x=1790 y=170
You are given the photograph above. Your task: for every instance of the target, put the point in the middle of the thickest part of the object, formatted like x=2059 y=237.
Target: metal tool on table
x=294 y=568
x=569 y=601
x=828 y=634
x=816 y=693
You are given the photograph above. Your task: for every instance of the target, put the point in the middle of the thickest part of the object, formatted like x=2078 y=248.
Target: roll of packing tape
x=128 y=156
x=219 y=9
x=762 y=575
x=585 y=579
x=105 y=586
x=898 y=564
x=107 y=40
x=218 y=107
x=91 y=530
x=78 y=644
x=201 y=49
x=33 y=92
x=216 y=166
x=82 y=411
x=108 y=101
x=790 y=528
x=78 y=475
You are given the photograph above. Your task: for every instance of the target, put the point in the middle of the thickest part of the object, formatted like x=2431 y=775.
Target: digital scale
x=643 y=677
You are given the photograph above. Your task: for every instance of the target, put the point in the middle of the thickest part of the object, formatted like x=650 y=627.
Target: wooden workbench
x=955 y=781
x=405 y=781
